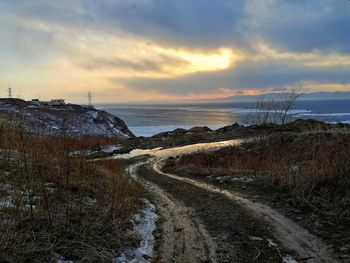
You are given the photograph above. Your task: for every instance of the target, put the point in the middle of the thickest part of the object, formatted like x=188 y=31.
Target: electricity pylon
x=10 y=92
x=89 y=99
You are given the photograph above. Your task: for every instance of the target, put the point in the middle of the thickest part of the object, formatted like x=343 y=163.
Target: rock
x=179 y=131
x=67 y=119
x=200 y=129
x=232 y=127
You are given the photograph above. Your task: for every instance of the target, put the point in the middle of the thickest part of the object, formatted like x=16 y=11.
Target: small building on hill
x=57 y=102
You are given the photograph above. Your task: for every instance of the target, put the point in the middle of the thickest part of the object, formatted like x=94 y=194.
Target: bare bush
x=277 y=109
x=265 y=106
x=286 y=102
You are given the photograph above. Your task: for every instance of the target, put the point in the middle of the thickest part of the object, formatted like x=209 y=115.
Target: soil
x=336 y=236
x=203 y=220
x=238 y=235
x=180 y=236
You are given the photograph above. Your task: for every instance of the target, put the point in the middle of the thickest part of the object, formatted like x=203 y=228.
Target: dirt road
x=204 y=223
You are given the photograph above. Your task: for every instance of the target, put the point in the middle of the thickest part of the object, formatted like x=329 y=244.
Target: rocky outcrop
x=200 y=129
x=69 y=119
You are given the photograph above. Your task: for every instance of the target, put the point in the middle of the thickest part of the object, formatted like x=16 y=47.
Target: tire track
x=183 y=238
x=290 y=234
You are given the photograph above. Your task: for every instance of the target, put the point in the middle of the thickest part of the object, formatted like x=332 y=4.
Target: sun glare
x=220 y=59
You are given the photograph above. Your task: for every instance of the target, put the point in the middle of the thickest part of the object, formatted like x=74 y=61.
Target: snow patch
x=242 y=179
x=80 y=153
x=256 y=238
x=94 y=114
x=271 y=243
x=144 y=225
x=6 y=202
x=289 y=259
x=90 y=201
x=111 y=148
x=63 y=261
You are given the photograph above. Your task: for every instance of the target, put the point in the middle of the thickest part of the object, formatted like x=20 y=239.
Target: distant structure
x=10 y=92
x=36 y=101
x=57 y=102
x=89 y=99
x=53 y=102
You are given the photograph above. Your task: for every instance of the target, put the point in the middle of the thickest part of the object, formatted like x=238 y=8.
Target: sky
x=171 y=50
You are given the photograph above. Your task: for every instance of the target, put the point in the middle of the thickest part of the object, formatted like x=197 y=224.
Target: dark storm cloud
x=182 y=22
x=289 y=25
x=300 y=25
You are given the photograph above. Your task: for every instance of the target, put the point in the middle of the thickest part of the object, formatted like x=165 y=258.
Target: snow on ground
x=255 y=238
x=242 y=179
x=110 y=148
x=6 y=202
x=80 y=153
x=271 y=243
x=74 y=120
x=144 y=225
x=289 y=259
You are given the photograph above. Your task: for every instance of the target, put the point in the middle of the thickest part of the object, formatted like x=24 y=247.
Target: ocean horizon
x=150 y=119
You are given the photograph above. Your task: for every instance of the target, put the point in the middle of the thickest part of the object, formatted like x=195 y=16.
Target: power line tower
x=10 y=92
x=89 y=99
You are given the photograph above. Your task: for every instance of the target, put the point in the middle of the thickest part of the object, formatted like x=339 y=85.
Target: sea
x=149 y=119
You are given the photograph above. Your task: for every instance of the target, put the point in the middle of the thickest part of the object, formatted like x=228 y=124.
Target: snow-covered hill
x=69 y=119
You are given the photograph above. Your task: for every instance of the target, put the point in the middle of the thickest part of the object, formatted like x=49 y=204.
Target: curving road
x=204 y=223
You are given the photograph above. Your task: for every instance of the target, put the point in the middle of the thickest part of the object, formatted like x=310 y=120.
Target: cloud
x=291 y=25
x=258 y=75
x=204 y=23
x=299 y=25
x=173 y=48
x=130 y=58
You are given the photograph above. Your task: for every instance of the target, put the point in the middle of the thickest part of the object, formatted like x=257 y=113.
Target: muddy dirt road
x=204 y=223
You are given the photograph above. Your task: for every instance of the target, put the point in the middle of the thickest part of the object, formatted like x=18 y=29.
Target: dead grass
x=53 y=205
x=312 y=168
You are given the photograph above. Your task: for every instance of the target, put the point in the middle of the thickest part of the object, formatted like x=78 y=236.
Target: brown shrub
x=54 y=205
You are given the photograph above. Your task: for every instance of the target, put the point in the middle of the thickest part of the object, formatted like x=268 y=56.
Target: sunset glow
x=126 y=52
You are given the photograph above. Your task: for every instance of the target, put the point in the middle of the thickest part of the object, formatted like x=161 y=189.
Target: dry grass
x=312 y=168
x=59 y=206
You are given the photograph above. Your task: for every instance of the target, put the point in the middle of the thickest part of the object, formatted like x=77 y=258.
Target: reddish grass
x=313 y=167
x=62 y=205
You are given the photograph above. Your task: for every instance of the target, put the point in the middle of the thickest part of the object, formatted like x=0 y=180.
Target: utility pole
x=89 y=99
x=10 y=92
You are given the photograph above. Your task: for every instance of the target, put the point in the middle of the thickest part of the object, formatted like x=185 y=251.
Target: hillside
x=68 y=119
